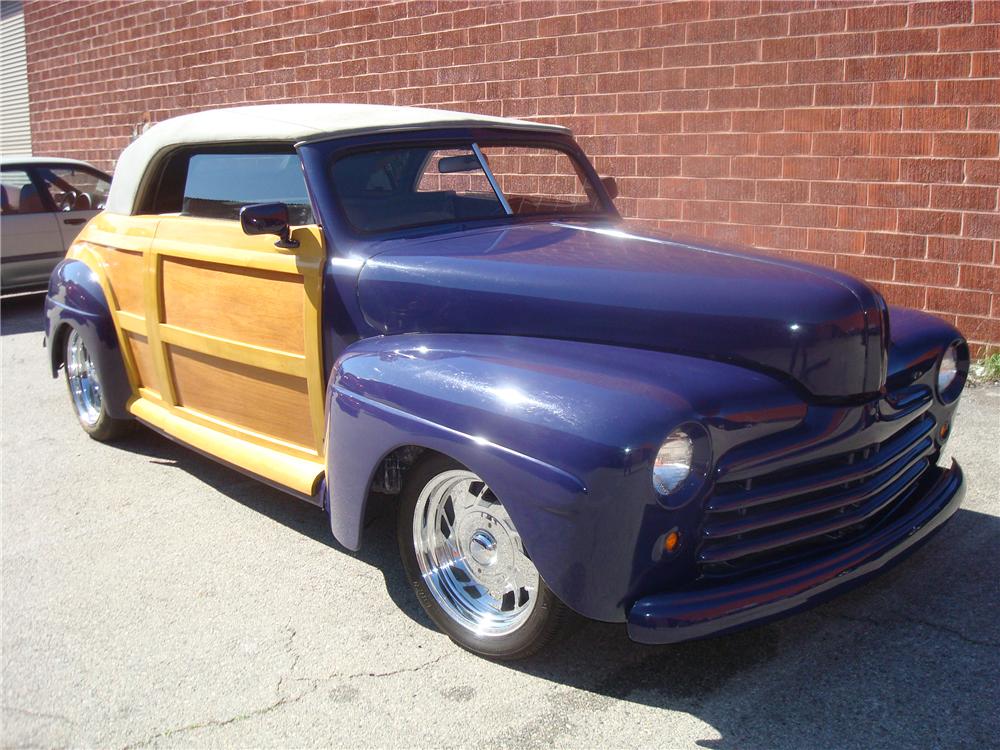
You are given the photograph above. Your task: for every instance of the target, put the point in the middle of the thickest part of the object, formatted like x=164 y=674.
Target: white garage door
x=15 y=123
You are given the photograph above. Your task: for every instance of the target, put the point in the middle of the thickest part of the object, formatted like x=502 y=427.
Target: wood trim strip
x=153 y=290
x=132 y=322
x=312 y=325
x=260 y=261
x=150 y=395
x=236 y=351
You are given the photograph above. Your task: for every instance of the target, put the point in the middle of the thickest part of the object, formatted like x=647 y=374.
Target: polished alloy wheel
x=83 y=383
x=471 y=556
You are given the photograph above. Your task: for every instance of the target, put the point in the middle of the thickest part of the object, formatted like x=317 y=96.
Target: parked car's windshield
x=395 y=188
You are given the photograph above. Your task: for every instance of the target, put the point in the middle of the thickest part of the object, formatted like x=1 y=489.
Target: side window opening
x=216 y=184
x=18 y=194
x=74 y=189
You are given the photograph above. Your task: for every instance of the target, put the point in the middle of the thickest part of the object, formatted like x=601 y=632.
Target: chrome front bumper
x=682 y=616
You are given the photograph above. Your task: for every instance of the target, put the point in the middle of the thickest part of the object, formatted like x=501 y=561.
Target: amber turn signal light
x=671 y=542
x=943 y=432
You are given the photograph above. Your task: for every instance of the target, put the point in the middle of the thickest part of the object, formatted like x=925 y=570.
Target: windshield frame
x=333 y=150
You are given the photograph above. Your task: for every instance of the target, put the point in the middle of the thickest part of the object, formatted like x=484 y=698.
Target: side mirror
x=610 y=186
x=268 y=218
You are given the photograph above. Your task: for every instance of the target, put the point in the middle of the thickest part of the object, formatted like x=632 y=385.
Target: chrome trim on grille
x=820 y=498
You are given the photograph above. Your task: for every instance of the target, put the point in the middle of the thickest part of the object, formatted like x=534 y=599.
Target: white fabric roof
x=282 y=123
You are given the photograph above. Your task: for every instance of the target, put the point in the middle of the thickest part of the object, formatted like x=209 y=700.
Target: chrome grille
x=753 y=523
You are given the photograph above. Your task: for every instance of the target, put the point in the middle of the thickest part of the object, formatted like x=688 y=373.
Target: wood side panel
x=269 y=403
x=125 y=269
x=257 y=307
x=143 y=358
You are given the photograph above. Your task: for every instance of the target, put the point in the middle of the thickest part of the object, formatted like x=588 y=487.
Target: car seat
x=30 y=201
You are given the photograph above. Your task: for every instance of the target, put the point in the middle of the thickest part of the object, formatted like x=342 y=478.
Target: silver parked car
x=45 y=203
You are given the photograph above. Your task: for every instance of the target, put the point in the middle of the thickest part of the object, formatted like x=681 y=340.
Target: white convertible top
x=281 y=123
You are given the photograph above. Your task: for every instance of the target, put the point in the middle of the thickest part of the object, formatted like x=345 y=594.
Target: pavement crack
x=404 y=670
x=918 y=621
x=279 y=702
x=315 y=681
x=214 y=723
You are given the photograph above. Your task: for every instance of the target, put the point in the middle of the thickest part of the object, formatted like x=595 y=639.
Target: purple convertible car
x=444 y=311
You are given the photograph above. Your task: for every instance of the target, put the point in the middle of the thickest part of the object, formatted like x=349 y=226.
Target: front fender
x=564 y=432
x=76 y=300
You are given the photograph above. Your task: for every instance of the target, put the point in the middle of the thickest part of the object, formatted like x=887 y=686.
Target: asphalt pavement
x=152 y=597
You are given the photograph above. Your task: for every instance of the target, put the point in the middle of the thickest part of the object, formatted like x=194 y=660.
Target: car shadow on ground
x=22 y=313
x=800 y=682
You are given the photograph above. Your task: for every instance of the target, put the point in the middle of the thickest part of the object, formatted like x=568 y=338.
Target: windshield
x=395 y=188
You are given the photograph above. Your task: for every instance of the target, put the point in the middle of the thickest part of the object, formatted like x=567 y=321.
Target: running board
x=299 y=476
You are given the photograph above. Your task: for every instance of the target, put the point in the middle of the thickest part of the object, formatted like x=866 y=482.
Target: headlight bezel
x=947 y=393
x=699 y=466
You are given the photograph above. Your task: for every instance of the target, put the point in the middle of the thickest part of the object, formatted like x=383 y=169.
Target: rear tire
x=467 y=565
x=83 y=379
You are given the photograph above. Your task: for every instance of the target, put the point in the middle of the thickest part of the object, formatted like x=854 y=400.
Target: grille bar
x=827 y=499
x=772 y=491
x=803 y=532
x=824 y=504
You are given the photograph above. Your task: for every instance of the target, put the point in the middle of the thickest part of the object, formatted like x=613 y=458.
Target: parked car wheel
x=84 y=381
x=468 y=566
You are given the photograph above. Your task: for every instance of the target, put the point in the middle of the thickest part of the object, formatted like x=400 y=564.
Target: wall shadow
x=908 y=660
x=22 y=313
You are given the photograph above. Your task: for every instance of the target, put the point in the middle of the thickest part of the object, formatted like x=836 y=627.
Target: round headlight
x=947 y=369
x=673 y=462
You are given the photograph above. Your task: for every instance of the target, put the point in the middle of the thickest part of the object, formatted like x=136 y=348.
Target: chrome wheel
x=471 y=557
x=84 y=386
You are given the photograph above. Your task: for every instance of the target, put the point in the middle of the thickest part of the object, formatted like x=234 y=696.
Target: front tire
x=83 y=378
x=467 y=564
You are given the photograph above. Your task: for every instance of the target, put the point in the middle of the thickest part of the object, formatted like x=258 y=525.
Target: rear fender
x=563 y=432
x=75 y=300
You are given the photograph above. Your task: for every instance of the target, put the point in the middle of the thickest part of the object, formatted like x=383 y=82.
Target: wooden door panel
x=249 y=306
x=125 y=275
x=265 y=402
x=143 y=358
x=236 y=331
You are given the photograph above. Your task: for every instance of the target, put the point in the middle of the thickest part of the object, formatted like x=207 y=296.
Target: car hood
x=598 y=283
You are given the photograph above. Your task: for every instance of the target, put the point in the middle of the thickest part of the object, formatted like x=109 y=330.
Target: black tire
x=548 y=619
x=93 y=417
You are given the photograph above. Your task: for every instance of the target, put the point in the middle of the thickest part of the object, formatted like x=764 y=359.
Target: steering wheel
x=66 y=201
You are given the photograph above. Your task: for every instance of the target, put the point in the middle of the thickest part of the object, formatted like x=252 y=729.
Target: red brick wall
x=860 y=137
